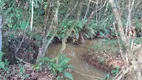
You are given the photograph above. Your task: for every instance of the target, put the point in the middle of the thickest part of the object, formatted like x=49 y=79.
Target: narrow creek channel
x=82 y=68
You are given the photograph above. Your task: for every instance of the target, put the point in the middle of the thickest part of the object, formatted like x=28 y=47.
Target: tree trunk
x=0 y=34
x=81 y=39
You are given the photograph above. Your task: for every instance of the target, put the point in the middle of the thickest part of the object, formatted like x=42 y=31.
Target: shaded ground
x=25 y=72
x=21 y=48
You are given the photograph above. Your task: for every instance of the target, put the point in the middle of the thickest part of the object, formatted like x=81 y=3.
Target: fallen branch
x=86 y=75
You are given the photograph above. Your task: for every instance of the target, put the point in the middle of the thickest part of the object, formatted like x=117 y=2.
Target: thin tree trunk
x=88 y=6
x=118 y=20
x=53 y=26
x=79 y=11
x=0 y=34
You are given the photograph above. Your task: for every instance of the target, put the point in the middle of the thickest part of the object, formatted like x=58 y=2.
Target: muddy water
x=82 y=68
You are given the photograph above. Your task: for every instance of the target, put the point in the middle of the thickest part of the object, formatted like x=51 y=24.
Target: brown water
x=83 y=71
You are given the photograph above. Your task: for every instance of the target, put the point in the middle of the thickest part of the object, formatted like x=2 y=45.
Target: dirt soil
x=21 y=48
x=103 y=61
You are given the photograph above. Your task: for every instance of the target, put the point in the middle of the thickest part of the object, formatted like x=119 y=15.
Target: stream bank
x=83 y=70
x=88 y=62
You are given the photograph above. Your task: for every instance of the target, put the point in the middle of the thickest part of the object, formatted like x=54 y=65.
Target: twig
x=87 y=9
x=67 y=15
x=19 y=45
x=121 y=52
x=118 y=74
x=92 y=14
x=123 y=73
x=21 y=42
x=94 y=77
x=21 y=60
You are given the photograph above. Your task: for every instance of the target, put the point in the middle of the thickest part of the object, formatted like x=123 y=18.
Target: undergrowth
x=107 y=46
x=59 y=67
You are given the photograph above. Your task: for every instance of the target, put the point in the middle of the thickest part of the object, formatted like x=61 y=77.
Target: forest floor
x=25 y=72
x=27 y=53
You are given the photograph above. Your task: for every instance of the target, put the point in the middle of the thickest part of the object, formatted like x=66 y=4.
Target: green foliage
x=14 y=16
x=3 y=64
x=17 y=14
x=107 y=46
x=58 y=78
x=116 y=70
x=102 y=27
x=107 y=77
x=66 y=25
x=57 y=65
x=138 y=24
x=138 y=40
x=1 y=3
x=68 y=75
x=22 y=72
x=101 y=60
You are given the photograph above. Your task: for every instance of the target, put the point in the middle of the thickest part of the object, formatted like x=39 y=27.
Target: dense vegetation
x=30 y=26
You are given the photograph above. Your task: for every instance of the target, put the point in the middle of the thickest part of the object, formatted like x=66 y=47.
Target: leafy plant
x=138 y=40
x=107 y=77
x=3 y=64
x=101 y=60
x=57 y=65
x=115 y=71
x=22 y=72
x=66 y=25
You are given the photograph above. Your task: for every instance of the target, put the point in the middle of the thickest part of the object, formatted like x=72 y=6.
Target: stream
x=83 y=71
